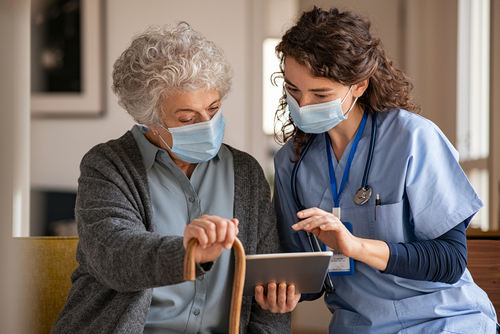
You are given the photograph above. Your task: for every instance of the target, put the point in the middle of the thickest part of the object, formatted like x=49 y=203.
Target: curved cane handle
x=238 y=282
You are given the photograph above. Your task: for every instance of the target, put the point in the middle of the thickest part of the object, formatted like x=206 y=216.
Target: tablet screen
x=306 y=270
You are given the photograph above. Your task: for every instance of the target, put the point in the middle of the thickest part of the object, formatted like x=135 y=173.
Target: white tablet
x=307 y=270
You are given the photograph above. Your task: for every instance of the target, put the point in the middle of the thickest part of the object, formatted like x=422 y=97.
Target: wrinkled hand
x=214 y=234
x=329 y=229
x=282 y=301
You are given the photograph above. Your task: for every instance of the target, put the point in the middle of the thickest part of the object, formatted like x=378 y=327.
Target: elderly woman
x=143 y=196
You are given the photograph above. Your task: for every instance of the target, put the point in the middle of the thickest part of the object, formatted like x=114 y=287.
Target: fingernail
x=294 y=226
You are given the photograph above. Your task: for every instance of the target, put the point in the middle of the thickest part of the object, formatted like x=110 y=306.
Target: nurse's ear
x=359 y=88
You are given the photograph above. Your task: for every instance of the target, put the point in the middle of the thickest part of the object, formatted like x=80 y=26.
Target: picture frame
x=88 y=100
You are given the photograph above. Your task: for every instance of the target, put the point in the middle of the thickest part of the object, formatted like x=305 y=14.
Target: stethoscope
x=362 y=195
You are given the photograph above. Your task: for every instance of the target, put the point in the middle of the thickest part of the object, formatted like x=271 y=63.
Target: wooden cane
x=238 y=283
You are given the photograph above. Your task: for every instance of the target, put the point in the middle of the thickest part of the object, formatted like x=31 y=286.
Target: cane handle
x=238 y=282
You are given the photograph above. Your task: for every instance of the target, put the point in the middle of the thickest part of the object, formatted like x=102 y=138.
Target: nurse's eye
x=321 y=96
x=291 y=89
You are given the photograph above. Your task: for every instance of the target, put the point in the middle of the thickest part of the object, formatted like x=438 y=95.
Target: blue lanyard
x=333 y=182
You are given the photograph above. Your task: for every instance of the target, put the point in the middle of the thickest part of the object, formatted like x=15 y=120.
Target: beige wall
x=431 y=59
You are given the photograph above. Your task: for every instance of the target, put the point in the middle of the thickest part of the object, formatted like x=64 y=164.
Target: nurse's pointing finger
x=297 y=227
x=310 y=212
x=305 y=224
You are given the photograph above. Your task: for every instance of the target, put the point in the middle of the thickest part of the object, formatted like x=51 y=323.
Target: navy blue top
x=443 y=259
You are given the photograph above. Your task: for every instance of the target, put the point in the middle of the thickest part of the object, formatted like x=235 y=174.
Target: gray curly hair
x=166 y=59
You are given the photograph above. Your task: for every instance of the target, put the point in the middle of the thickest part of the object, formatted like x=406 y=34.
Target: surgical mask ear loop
x=161 y=138
x=352 y=105
x=346 y=95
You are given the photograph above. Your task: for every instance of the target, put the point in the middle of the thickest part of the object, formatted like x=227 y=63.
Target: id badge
x=340 y=265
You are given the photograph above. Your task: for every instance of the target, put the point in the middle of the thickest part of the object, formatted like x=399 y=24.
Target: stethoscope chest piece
x=362 y=195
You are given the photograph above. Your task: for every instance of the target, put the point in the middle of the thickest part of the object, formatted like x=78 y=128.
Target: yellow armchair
x=47 y=266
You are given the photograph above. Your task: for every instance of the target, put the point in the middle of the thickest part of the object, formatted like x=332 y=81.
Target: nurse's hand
x=214 y=234
x=281 y=301
x=330 y=230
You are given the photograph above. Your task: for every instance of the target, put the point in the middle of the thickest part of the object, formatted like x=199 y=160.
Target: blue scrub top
x=423 y=193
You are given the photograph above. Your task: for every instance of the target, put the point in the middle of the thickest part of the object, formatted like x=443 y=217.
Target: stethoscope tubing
x=295 y=170
x=328 y=284
x=373 y=138
x=364 y=183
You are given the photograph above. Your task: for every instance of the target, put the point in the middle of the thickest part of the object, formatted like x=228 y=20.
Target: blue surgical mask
x=195 y=143
x=318 y=118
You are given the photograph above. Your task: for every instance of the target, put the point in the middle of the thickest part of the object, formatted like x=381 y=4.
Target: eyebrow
x=311 y=90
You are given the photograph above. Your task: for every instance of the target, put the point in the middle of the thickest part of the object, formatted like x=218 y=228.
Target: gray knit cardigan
x=121 y=258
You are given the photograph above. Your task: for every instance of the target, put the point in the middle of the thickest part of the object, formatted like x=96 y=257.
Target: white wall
x=58 y=144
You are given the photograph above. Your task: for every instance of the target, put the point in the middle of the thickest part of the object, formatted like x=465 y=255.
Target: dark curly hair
x=338 y=46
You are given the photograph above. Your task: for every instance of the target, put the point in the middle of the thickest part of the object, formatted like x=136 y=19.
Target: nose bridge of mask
x=198 y=142
x=200 y=136
x=191 y=134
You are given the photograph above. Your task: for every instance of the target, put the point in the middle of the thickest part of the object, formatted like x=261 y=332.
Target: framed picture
x=66 y=58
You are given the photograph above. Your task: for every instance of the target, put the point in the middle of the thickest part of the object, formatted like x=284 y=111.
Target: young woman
x=362 y=173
